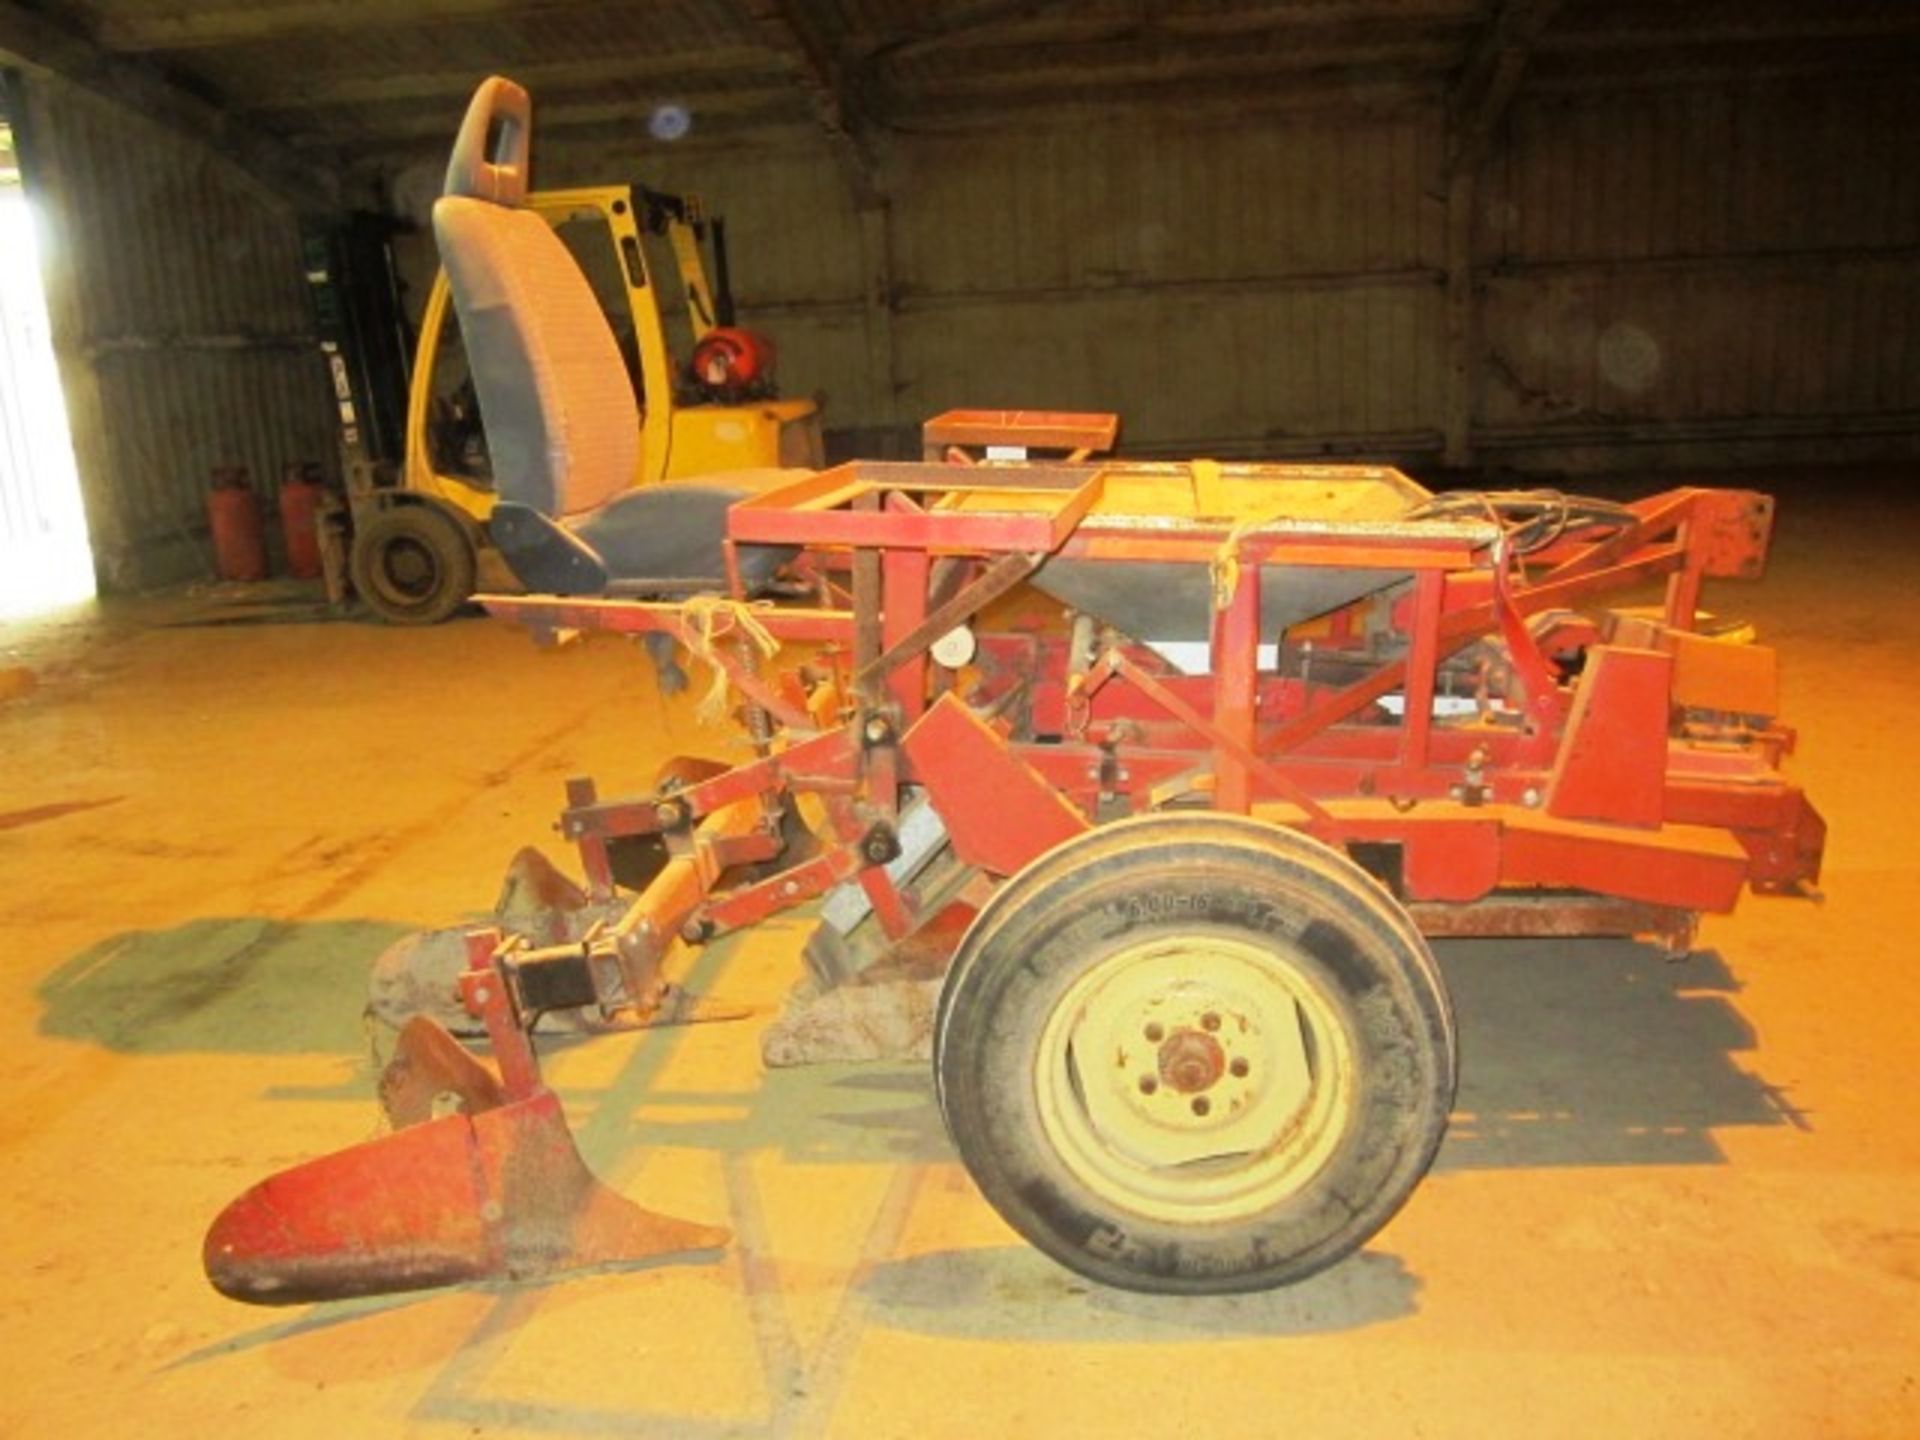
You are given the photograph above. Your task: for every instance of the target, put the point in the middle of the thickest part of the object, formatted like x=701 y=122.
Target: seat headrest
x=490 y=154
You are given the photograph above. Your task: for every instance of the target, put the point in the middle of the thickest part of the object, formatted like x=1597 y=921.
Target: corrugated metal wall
x=181 y=324
x=1225 y=286
x=1703 y=269
x=1272 y=288
x=1677 y=276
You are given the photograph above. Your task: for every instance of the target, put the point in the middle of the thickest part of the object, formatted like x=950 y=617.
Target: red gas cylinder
x=300 y=494
x=239 y=548
x=731 y=362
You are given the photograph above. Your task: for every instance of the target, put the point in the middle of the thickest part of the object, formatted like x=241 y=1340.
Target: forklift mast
x=364 y=335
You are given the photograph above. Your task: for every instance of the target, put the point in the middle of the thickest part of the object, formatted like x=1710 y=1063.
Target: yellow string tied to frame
x=713 y=620
x=1225 y=568
x=1210 y=502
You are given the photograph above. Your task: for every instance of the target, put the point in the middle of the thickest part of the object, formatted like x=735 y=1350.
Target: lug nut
x=1155 y=1034
x=1239 y=1068
x=1148 y=1084
x=1201 y=1105
x=1209 y=1021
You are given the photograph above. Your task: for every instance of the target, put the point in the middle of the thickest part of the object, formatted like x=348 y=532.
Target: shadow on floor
x=239 y=984
x=879 y=1112
x=1015 y=1293
x=1590 y=1052
x=1597 y=1052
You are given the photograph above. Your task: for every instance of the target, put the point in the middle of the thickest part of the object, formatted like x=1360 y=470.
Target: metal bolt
x=1239 y=1067
x=482 y=995
x=1155 y=1034
x=1531 y=797
x=877 y=730
x=668 y=813
x=1148 y=1084
x=1210 y=1021
x=791 y=887
x=1201 y=1105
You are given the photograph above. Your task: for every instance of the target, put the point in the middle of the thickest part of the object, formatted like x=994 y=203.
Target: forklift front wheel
x=1195 y=1054
x=412 y=565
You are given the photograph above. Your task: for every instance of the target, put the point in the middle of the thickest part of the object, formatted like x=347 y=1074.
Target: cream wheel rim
x=1195 y=1078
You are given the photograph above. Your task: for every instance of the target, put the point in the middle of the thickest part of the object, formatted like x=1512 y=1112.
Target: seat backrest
x=562 y=424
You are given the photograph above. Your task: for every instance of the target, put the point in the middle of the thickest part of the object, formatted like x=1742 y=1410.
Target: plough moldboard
x=1169 y=770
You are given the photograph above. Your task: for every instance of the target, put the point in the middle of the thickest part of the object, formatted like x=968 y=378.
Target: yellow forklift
x=412 y=539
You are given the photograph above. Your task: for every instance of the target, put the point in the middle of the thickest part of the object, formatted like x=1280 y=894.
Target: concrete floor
x=1676 y=1199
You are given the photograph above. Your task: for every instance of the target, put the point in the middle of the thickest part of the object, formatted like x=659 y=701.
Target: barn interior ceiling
x=308 y=94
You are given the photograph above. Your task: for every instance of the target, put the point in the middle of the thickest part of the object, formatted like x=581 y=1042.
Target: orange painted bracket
x=1732 y=531
x=1710 y=674
x=998 y=810
x=1074 y=430
x=1612 y=764
x=1691 y=867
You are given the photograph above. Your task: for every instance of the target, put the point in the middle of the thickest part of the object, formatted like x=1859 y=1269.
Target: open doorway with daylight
x=44 y=559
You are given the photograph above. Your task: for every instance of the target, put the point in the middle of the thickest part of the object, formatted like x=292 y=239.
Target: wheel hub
x=1191 y=1061
x=1194 y=1072
x=410 y=568
x=1193 y=1055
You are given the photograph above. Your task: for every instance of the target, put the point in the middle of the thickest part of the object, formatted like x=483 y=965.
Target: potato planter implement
x=1163 y=774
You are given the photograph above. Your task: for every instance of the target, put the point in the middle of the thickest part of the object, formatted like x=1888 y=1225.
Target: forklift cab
x=641 y=251
x=418 y=534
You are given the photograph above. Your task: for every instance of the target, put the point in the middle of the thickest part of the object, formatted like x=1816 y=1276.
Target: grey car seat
x=561 y=420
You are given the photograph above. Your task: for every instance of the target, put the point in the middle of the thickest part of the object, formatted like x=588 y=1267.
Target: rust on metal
x=502 y=1194
x=1190 y=1061
x=1539 y=914
x=427 y=1065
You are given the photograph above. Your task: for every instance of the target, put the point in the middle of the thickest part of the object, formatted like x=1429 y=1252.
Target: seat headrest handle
x=490 y=154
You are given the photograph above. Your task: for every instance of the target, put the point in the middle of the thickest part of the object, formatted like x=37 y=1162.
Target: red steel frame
x=1576 y=811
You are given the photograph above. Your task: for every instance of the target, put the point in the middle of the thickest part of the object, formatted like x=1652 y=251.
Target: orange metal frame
x=1580 y=788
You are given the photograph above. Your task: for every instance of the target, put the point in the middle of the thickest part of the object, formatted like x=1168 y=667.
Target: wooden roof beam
x=1086 y=66
x=676 y=74
x=825 y=81
x=566 y=113
x=211 y=23
x=1490 y=77
x=41 y=40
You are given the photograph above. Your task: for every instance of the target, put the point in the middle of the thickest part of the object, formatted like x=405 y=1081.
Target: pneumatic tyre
x=1195 y=1053
x=412 y=565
